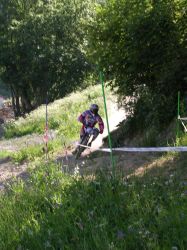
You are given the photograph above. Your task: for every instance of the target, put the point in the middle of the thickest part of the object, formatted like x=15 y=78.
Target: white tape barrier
x=147 y=149
x=183 y=118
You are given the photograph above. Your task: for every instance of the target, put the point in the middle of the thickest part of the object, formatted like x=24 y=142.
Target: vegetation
x=41 y=50
x=4 y=90
x=60 y=113
x=56 y=211
x=142 y=48
x=52 y=48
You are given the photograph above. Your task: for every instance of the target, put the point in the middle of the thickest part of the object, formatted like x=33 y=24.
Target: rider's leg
x=82 y=133
x=95 y=135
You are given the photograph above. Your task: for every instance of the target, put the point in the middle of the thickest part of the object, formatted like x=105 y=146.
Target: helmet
x=94 y=108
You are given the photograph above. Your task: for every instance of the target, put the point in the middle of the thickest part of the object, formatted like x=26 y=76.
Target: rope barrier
x=142 y=149
x=183 y=119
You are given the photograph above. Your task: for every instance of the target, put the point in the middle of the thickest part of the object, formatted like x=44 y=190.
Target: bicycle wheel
x=80 y=148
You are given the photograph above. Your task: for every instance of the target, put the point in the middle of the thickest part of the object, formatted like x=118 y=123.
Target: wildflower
x=76 y=170
x=125 y=183
x=159 y=210
x=97 y=183
x=130 y=228
x=184 y=194
x=90 y=214
x=111 y=246
x=80 y=225
x=174 y=248
x=47 y=244
x=2 y=187
x=30 y=232
x=120 y=234
x=49 y=232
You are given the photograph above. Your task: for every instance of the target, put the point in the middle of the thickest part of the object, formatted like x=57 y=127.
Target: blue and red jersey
x=89 y=119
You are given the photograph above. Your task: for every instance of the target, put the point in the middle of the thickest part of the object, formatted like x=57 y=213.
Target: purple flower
x=120 y=234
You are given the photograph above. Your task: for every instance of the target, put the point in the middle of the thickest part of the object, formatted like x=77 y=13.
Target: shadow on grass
x=57 y=211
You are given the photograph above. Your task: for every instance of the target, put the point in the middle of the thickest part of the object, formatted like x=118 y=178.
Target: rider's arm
x=81 y=118
x=101 y=124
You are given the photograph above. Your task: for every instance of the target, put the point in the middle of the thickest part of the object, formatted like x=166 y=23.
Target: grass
x=53 y=210
x=4 y=154
x=57 y=211
x=60 y=113
x=31 y=153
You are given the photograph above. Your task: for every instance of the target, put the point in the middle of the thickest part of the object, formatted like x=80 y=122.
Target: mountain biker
x=90 y=118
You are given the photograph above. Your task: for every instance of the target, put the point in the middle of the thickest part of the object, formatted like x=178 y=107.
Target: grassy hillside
x=55 y=210
x=63 y=124
x=62 y=115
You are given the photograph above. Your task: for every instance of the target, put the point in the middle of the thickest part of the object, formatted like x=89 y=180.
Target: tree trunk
x=18 y=110
x=15 y=102
x=26 y=102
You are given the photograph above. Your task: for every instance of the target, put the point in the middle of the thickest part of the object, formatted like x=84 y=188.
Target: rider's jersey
x=89 y=119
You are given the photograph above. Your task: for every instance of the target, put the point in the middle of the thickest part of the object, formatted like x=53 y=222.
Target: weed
x=59 y=211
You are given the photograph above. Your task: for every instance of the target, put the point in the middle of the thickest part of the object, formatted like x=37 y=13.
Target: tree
x=41 y=49
x=138 y=45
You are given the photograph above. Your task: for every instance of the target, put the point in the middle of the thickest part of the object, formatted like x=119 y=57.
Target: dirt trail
x=9 y=170
x=90 y=161
x=93 y=160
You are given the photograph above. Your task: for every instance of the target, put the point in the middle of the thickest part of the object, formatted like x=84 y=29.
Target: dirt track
x=90 y=161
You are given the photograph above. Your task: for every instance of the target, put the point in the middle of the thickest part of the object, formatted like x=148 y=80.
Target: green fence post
x=106 y=114
x=178 y=114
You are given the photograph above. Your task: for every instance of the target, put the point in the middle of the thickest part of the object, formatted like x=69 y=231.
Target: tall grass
x=56 y=211
x=62 y=115
x=53 y=210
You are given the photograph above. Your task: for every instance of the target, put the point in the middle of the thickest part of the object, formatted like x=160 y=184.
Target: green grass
x=53 y=210
x=56 y=211
x=4 y=154
x=183 y=140
x=62 y=115
x=31 y=153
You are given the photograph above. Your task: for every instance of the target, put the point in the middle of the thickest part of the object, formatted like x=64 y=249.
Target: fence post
x=106 y=114
x=178 y=114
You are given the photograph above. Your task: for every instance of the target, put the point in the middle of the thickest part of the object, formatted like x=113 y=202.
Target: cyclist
x=90 y=118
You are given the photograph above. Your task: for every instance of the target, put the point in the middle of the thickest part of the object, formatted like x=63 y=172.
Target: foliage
x=60 y=113
x=4 y=90
x=4 y=154
x=41 y=49
x=140 y=45
x=57 y=211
